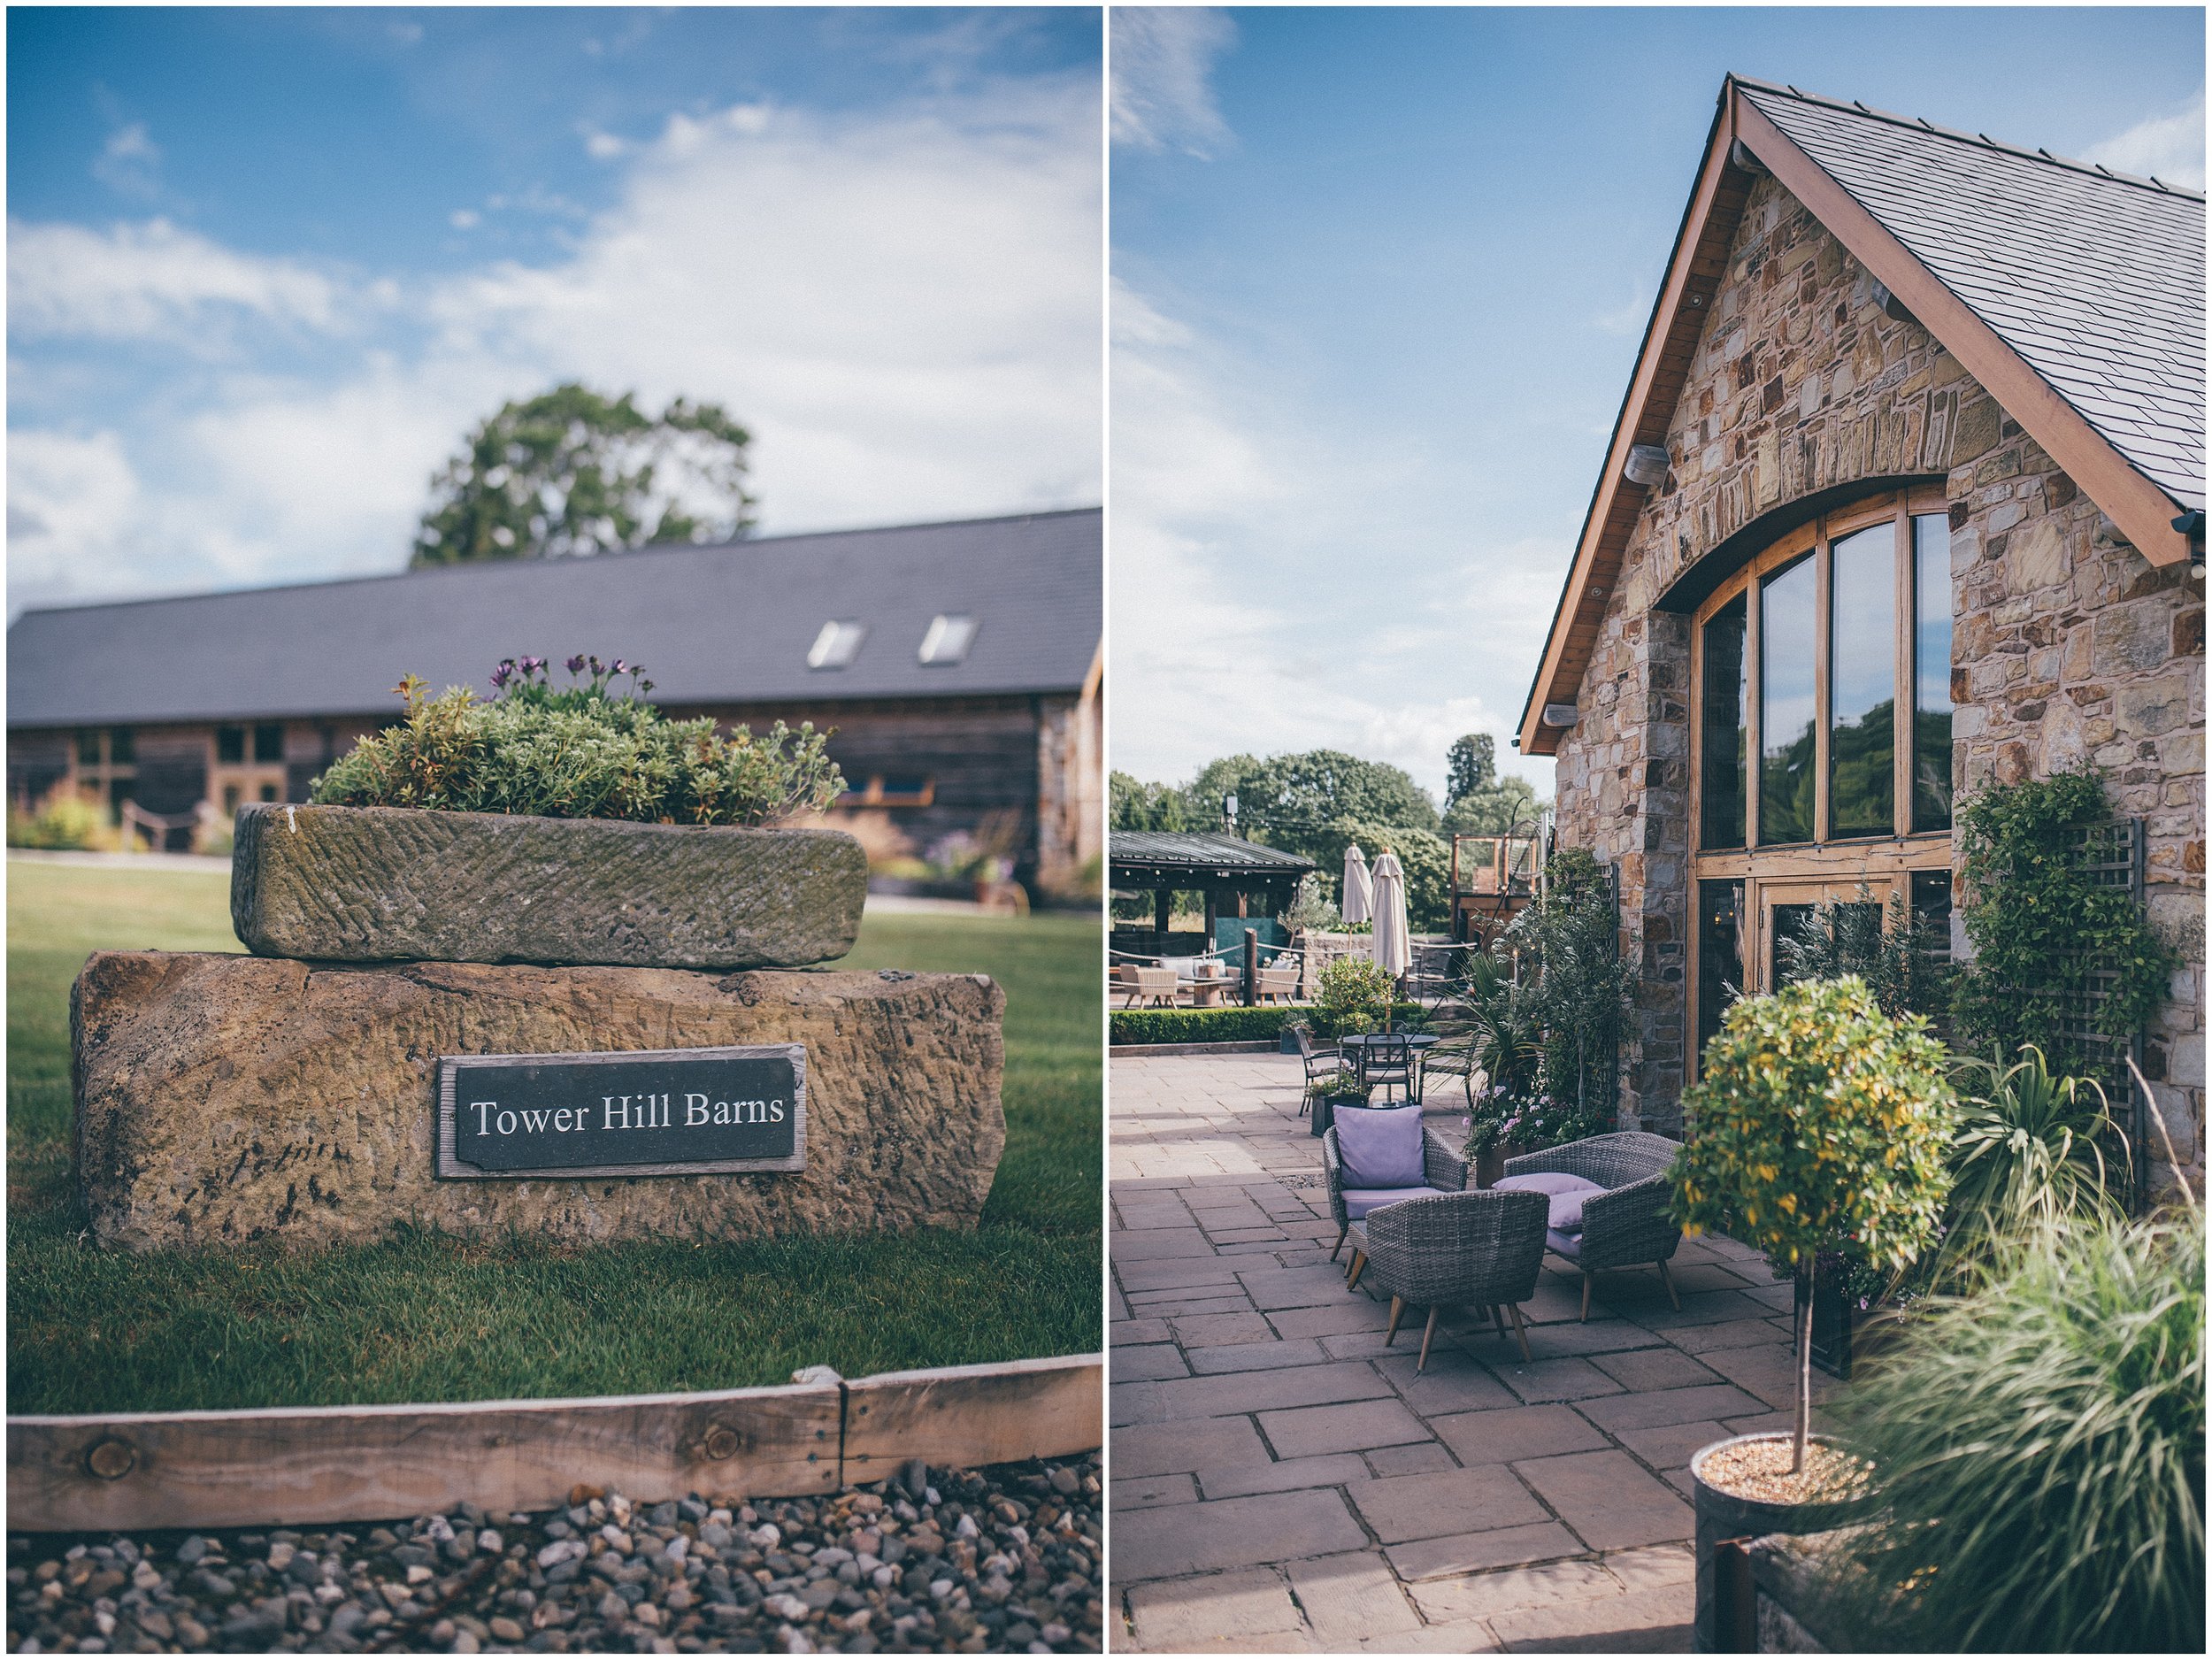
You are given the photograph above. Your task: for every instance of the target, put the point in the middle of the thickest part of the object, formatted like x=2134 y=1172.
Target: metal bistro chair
x=1321 y=1065
x=1452 y=1055
x=1386 y=1060
x=1482 y=1250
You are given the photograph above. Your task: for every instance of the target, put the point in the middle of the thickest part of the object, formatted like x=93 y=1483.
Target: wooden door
x=1779 y=904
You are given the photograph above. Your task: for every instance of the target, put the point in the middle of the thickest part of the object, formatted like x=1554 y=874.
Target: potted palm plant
x=555 y=825
x=1818 y=1124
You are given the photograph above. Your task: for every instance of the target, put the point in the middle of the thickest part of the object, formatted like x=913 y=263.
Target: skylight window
x=948 y=640
x=837 y=645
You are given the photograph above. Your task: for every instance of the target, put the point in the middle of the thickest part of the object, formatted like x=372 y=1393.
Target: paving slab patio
x=1283 y=1481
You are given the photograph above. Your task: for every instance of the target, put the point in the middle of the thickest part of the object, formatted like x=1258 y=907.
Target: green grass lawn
x=426 y=1317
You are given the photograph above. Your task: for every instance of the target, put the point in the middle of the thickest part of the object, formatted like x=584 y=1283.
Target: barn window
x=1821 y=750
x=837 y=645
x=948 y=640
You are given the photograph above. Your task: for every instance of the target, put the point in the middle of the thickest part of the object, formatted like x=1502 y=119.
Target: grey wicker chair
x=1627 y=1225
x=1479 y=1250
x=1443 y=1171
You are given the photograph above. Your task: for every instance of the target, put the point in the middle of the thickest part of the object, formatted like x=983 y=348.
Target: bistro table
x=1355 y=1046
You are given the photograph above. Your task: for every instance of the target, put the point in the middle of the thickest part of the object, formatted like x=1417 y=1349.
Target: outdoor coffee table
x=1207 y=994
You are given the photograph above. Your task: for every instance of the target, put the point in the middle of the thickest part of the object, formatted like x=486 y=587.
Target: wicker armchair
x=1625 y=1226
x=1442 y=1171
x=1481 y=1250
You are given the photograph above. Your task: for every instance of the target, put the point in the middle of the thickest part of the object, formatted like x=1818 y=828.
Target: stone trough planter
x=392 y=884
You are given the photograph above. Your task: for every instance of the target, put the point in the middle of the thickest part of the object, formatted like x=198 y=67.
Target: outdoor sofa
x=1608 y=1198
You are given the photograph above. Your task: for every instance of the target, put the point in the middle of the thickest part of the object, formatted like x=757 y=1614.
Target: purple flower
x=598 y=667
x=620 y=667
x=504 y=672
x=531 y=665
x=576 y=664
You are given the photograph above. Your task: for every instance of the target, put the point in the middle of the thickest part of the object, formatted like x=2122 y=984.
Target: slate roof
x=715 y=624
x=1191 y=850
x=2095 y=279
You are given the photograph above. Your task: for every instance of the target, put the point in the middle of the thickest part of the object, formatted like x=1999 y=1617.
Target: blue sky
x=1379 y=280
x=266 y=266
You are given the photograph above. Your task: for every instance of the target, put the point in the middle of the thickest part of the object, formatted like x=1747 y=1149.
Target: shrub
x=1225 y=1025
x=1200 y=1026
x=67 y=821
x=1311 y=909
x=2029 y=1151
x=580 y=752
x=1353 y=995
x=2040 y=1449
x=1818 y=1124
x=2047 y=936
x=1575 y=991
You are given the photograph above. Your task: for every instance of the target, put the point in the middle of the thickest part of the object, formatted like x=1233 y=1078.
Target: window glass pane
x=1932 y=675
x=268 y=743
x=1863 y=684
x=1719 y=955
x=1786 y=923
x=87 y=749
x=1931 y=896
x=1788 y=635
x=122 y=746
x=1722 y=746
x=230 y=745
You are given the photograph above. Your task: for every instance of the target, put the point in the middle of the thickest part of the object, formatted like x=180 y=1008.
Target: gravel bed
x=998 y=1560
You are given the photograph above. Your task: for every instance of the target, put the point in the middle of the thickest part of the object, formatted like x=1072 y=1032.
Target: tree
x=1818 y=1124
x=571 y=472
x=1291 y=800
x=1134 y=804
x=1426 y=861
x=1473 y=762
x=1478 y=801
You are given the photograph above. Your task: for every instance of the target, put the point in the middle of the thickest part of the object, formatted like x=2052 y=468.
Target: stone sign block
x=383 y=884
x=222 y=1100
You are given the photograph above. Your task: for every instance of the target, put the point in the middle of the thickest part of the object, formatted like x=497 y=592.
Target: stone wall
x=2068 y=645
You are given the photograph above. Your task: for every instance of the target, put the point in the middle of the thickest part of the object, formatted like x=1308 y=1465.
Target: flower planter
x=1723 y=1515
x=384 y=884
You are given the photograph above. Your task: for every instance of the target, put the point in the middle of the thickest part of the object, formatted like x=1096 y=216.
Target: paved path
x=1283 y=1481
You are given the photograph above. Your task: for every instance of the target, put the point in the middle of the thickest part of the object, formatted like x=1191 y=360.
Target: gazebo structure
x=1232 y=874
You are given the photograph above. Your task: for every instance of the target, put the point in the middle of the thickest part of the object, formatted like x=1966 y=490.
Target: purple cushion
x=1380 y=1146
x=1360 y=1200
x=1568 y=1245
x=1566 y=1193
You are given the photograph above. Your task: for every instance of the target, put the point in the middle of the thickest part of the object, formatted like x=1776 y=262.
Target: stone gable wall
x=2068 y=645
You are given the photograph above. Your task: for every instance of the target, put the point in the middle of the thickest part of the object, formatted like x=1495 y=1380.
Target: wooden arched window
x=1820 y=688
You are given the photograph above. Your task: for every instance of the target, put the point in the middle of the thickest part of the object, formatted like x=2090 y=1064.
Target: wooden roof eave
x=1678 y=318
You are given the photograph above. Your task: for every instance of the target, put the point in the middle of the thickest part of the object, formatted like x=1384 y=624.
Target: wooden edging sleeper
x=264 y=1466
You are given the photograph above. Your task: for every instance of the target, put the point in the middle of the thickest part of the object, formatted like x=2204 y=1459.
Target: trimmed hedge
x=1221 y=1026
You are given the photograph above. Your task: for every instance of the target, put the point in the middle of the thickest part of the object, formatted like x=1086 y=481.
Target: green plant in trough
x=2039 y=1451
x=578 y=751
x=1899 y=955
x=1819 y=1124
x=2029 y=1150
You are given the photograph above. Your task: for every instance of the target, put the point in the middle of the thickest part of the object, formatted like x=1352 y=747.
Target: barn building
x=1906 y=495
x=959 y=663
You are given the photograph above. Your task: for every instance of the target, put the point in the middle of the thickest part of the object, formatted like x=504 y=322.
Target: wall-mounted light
x=1889 y=305
x=1739 y=157
x=1561 y=714
x=1646 y=465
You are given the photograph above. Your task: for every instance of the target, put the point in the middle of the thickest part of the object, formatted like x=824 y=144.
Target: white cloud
x=148 y=279
x=1266 y=595
x=72 y=503
x=465 y=218
x=1163 y=67
x=130 y=161
x=2168 y=147
x=904 y=311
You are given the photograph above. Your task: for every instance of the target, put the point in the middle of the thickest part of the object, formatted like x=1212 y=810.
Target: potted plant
x=555 y=825
x=1346 y=1089
x=1819 y=1124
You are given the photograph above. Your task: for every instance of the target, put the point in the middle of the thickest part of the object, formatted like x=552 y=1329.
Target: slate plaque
x=636 y=1112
